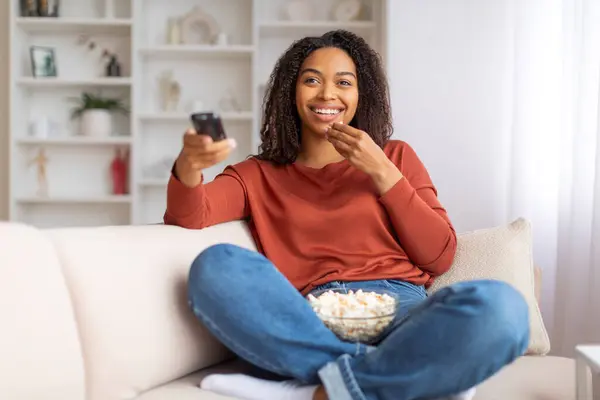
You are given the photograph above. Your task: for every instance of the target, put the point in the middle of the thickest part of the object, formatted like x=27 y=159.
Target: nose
x=328 y=92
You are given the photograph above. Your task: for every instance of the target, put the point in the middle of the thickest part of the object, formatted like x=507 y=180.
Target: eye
x=345 y=83
x=311 y=80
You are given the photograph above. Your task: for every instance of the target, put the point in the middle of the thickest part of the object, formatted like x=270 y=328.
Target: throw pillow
x=502 y=253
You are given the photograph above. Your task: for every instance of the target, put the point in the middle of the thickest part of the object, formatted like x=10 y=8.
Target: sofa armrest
x=537 y=282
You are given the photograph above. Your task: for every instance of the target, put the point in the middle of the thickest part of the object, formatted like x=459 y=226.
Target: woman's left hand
x=364 y=154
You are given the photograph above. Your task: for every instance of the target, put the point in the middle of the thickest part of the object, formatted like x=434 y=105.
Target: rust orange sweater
x=320 y=225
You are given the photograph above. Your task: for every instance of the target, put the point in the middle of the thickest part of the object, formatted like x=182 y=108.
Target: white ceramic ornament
x=346 y=10
x=299 y=10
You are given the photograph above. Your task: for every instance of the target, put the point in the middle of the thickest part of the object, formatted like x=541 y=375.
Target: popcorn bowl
x=355 y=315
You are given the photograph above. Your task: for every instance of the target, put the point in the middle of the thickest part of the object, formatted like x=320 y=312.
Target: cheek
x=352 y=102
x=300 y=100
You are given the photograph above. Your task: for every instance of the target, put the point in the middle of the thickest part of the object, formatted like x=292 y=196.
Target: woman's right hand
x=198 y=153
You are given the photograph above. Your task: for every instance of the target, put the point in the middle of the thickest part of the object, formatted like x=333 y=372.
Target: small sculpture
x=170 y=91
x=113 y=67
x=174 y=31
x=118 y=169
x=40 y=161
x=229 y=102
x=346 y=10
x=197 y=22
x=299 y=10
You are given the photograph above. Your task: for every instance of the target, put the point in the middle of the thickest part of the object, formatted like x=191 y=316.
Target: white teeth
x=327 y=111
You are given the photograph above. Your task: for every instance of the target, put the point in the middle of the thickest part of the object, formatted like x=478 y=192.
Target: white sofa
x=101 y=314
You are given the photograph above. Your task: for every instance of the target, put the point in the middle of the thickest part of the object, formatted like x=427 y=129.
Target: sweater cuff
x=183 y=201
x=399 y=195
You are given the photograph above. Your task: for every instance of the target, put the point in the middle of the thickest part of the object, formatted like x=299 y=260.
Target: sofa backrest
x=128 y=290
x=40 y=351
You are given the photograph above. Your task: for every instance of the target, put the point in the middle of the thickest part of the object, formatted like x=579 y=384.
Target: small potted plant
x=94 y=112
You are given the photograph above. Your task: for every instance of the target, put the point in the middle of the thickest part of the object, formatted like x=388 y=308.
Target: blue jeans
x=439 y=346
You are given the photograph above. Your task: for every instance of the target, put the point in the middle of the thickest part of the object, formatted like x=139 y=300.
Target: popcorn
x=355 y=316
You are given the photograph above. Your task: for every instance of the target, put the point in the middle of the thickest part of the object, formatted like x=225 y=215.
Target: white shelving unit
x=78 y=167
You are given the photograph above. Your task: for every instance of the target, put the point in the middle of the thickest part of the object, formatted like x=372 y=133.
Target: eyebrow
x=316 y=71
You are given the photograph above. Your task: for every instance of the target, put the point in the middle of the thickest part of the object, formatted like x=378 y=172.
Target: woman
x=332 y=202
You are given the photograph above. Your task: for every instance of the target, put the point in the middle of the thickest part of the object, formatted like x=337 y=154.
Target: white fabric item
x=130 y=295
x=466 y=395
x=40 y=355
x=247 y=387
x=503 y=253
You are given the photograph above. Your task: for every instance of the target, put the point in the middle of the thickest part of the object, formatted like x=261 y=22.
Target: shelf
x=61 y=82
x=308 y=27
x=74 y=25
x=185 y=117
x=138 y=33
x=194 y=51
x=77 y=141
x=109 y=199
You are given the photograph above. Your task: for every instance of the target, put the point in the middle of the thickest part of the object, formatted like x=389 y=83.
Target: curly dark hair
x=280 y=131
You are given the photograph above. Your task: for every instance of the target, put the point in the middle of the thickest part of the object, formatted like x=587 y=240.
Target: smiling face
x=326 y=90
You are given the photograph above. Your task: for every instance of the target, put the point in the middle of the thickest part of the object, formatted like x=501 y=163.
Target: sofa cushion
x=503 y=253
x=532 y=378
x=129 y=289
x=187 y=388
x=40 y=352
x=528 y=378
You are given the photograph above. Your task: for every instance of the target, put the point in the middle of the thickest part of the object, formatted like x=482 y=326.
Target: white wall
x=449 y=64
x=3 y=110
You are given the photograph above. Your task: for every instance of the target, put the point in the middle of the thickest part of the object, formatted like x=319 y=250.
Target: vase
x=113 y=68
x=96 y=123
x=299 y=10
x=109 y=9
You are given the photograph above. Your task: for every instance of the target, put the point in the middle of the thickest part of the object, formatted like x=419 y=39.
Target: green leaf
x=89 y=101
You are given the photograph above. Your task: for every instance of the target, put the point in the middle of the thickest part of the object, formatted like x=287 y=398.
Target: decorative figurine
x=198 y=27
x=170 y=91
x=29 y=8
x=346 y=10
x=109 y=9
x=113 y=67
x=299 y=10
x=229 y=102
x=41 y=161
x=174 y=31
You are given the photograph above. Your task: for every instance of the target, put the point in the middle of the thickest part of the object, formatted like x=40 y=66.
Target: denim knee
x=211 y=270
x=503 y=313
x=210 y=263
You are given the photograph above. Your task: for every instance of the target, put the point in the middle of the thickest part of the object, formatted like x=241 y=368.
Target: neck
x=316 y=151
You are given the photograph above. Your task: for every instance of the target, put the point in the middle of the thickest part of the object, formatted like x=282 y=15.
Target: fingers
x=205 y=143
x=200 y=151
x=342 y=136
x=215 y=157
x=343 y=148
x=357 y=133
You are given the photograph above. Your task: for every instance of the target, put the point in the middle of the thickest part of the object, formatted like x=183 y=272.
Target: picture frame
x=43 y=61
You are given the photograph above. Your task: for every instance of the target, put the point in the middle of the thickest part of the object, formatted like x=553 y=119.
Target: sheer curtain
x=554 y=158
x=500 y=100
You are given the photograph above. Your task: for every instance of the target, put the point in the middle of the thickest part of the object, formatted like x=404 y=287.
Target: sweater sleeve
x=420 y=221
x=222 y=200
